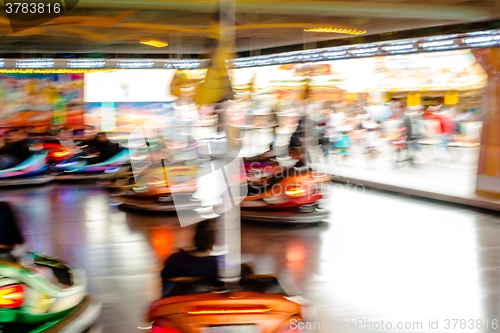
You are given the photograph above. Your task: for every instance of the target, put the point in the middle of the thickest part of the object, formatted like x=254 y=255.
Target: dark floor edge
x=478 y=202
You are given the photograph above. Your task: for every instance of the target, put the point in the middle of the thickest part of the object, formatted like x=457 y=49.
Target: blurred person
x=334 y=120
x=104 y=149
x=402 y=135
x=15 y=149
x=302 y=139
x=445 y=130
x=371 y=136
x=413 y=122
x=65 y=139
x=11 y=237
x=318 y=126
x=195 y=263
x=400 y=145
x=321 y=130
x=343 y=142
x=324 y=132
x=90 y=139
x=358 y=132
x=379 y=112
x=13 y=247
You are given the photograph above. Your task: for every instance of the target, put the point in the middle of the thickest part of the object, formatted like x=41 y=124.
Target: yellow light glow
x=337 y=30
x=154 y=43
x=295 y=191
x=61 y=154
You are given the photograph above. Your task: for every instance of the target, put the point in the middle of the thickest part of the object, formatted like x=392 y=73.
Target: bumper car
x=283 y=194
x=78 y=168
x=32 y=171
x=120 y=180
x=155 y=186
x=31 y=302
x=258 y=304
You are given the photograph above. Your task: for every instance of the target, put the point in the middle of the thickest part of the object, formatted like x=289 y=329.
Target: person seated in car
x=64 y=138
x=195 y=263
x=105 y=149
x=11 y=238
x=89 y=140
x=15 y=150
x=13 y=247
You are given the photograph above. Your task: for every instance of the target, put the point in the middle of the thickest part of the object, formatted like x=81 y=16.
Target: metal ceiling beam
x=309 y=7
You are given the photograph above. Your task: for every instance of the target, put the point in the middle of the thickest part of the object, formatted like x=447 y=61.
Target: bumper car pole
x=146 y=139
x=230 y=263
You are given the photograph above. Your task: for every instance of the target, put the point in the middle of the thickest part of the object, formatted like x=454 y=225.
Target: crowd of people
x=341 y=130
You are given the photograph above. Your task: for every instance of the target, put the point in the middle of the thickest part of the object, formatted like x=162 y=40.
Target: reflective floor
x=381 y=257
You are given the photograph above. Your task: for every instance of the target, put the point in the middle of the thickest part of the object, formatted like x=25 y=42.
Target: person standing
x=302 y=139
x=413 y=122
x=445 y=129
x=371 y=136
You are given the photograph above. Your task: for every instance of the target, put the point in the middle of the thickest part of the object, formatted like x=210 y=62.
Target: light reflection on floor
x=381 y=257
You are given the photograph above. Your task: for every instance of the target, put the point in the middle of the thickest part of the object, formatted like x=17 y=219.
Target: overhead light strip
x=490 y=38
x=86 y=63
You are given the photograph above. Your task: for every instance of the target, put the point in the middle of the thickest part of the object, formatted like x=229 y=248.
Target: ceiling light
x=52 y=71
x=337 y=30
x=155 y=43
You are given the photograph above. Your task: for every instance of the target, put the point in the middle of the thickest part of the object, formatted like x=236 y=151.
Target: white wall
x=131 y=85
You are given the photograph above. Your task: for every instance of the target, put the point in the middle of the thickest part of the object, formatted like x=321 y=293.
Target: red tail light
x=11 y=296
x=161 y=329
x=249 y=310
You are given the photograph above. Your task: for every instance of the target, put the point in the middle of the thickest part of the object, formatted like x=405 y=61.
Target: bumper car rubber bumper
x=111 y=186
x=285 y=216
x=19 y=181
x=80 y=176
x=155 y=206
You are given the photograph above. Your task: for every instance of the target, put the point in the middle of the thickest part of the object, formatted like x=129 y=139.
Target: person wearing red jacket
x=444 y=131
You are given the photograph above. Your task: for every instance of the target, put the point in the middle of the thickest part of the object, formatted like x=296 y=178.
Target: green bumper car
x=45 y=296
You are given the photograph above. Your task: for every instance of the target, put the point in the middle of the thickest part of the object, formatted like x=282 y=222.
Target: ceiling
x=117 y=26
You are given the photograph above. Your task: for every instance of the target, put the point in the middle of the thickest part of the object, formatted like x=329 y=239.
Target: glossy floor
x=381 y=257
